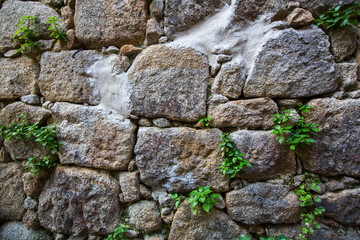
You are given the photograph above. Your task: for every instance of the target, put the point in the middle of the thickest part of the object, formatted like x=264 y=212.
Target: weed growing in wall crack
x=177 y=197
x=56 y=30
x=281 y=237
x=206 y=121
x=203 y=198
x=118 y=234
x=27 y=35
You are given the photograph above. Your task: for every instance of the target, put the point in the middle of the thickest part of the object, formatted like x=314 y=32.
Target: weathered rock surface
x=343 y=43
x=80 y=201
x=157 y=9
x=251 y=114
x=164 y=80
x=215 y=225
x=182 y=15
x=10 y=14
x=31 y=220
x=20 y=149
x=342 y=206
x=34 y=184
x=94 y=136
x=153 y=32
x=103 y=23
x=31 y=99
x=11 y=192
x=18 y=77
x=263 y=203
x=337 y=151
x=180 y=159
x=64 y=78
x=276 y=69
x=11 y=112
x=145 y=215
x=348 y=76
x=130 y=186
x=299 y=18
x=18 y=230
x=320 y=6
x=267 y=157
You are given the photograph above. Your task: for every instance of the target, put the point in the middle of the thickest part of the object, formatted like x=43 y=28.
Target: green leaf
x=206 y=207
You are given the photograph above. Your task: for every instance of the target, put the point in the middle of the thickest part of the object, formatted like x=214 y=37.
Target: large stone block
x=294 y=64
x=145 y=215
x=180 y=159
x=18 y=77
x=18 y=230
x=169 y=83
x=337 y=151
x=110 y=23
x=80 y=201
x=263 y=203
x=12 y=112
x=94 y=136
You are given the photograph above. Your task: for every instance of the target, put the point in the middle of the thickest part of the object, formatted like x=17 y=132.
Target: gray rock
x=112 y=50
x=18 y=78
x=343 y=206
x=94 y=136
x=18 y=230
x=267 y=157
x=145 y=192
x=344 y=182
x=47 y=45
x=144 y=122
x=53 y=3
x=251 y=114
x=217 y=99
x=221 y=204
x=33 y=184
x=145 y=215
x=163 y=39
x=129 y=183
x=20 y=149
x=155 y=237
x=64 y=78
x=285 y=104
x=180 y=159
x=348 y=76
x=230 y=80
x=30 y=203
x=11 y=112
x=337 y=150
x=31 y=220
x=31 y=99
x=263 y=203
x=182 y=15
x=162 y=122
x=215 y=225
x=153 y=32
x=11 y=192
x=318 y=7
x=12 y=54
x=10 y=14
x=164 y=80
x=80 y=201
x=275 y=72
x=343 y=43
x=157 y=9
x=288 y=230
x=115 y=23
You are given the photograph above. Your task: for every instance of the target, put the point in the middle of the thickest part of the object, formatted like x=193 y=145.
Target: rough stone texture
x=18 y=230
x=156 y=237
x=162 y=122
x=68 y=14
x=164 y=80
x=320 y=6
x=215 y=225
x=157 y=9
x=64 y=78
x=180 y=159
x=267 y=157
x=153 y=32
x=130 y=50
x=230 y=80
x=145 y=215
x=53 y=3
x=182 y=15
x=18 y=78
x=4 y=155
x=276 y=69
x=11 y=192
x=71 y=40
x=20 y=149
x=263 y=203
x=12 y=54
x=11 y=112
x=129 y=183
x=10 y=14
x=349 y=76
x=34 y=184
x=114 y=23
x=80 y=201
x=342 y=183
x=337 y=151
x=343 y=43
x=343 y=206
x=299 y=18
x=94 y=136
x=251 y=114
x=31 y=220
x=31 y=99
x=30 y=204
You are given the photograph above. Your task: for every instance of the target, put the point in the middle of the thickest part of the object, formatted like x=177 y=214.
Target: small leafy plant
x=55 y=28
x=206 y=121
x=118 y=234
x=203 y=198
x=177 y=197
x=295 y=134
x=233 y=161
x=281 y=237
x=26 y=35
x=340 y=17
x=36 y=164
x=308 y=201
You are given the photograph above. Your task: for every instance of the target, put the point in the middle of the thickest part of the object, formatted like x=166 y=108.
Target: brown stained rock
x=68 y=14
x=145 y=215
x=115 y=23
x=180 y=159
x=129 y=183
x=336 y=151
x=157 y=9
x=18 y=77
x=348 y=76
x=71 y=40
x=215 y=225
x=80 y=201
x=130 y=50
x=4 y=156
x=164 y=80
x=20 y=149
x=343 y=43
x=34 y=184
x=299 y=18
x=11 y=192
x=11 y=112
x=94 y=136
x=252 y=113
x=263 y=203
x=31 y=220
x=153 y=32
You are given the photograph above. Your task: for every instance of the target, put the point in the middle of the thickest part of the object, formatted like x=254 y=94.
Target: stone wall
x=127 y=90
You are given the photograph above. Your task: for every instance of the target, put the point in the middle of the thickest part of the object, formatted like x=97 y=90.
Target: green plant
x=281 y=237
x=203 y=197
x=206 y=121
x=177 y=198
x=118 y=234
x=36 y=164
x=298 y=133
x=340 y=17
x=57 y=31
x=308 y=202
x=233 y=161
x=26 y=35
